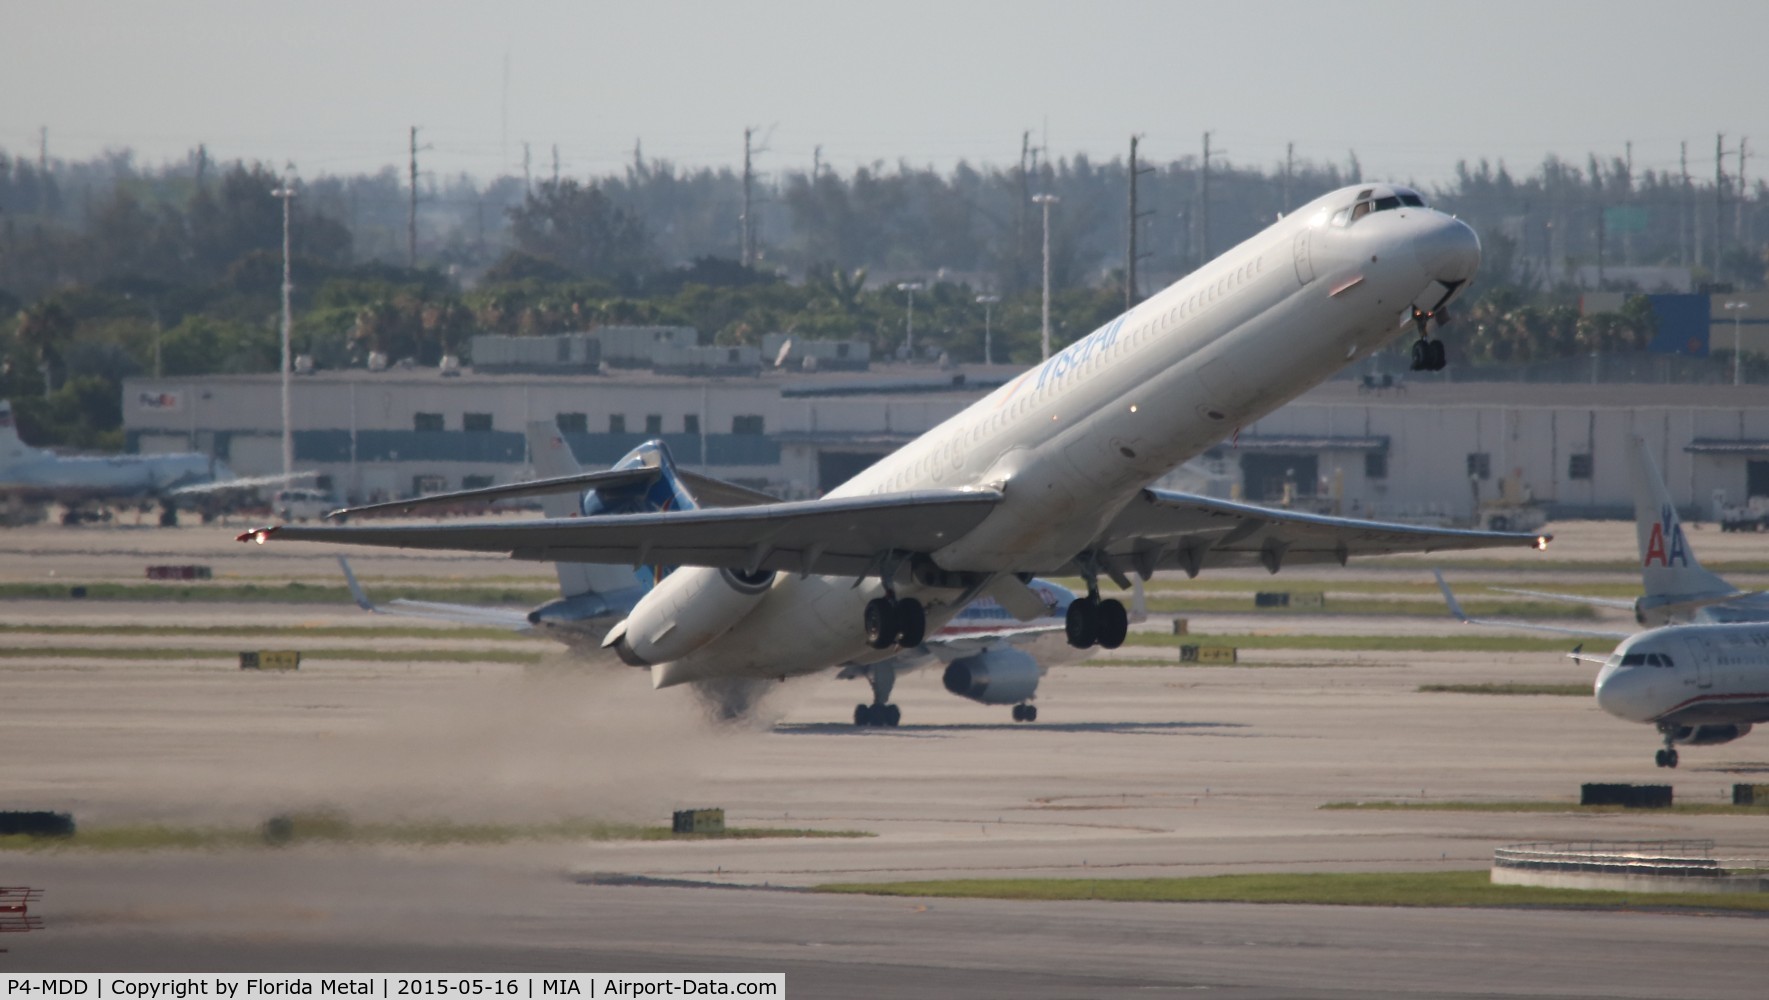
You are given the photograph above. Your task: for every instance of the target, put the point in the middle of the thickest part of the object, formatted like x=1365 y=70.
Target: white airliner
x=1699 y=684
x=1044 y=476
x=31 y=477
x=1676 y=588
x=988 y=656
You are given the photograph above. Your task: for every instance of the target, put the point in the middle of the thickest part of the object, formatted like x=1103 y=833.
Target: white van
x=302 y=505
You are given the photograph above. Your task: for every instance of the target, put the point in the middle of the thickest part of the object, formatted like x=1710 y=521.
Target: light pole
x=1046 y=200
x=909 y=337
x=286 y=193
x=1737 y=311
x=988 y=301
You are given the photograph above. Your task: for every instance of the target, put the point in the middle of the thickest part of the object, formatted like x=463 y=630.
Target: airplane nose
x=1449 y=251
x=1618 y=693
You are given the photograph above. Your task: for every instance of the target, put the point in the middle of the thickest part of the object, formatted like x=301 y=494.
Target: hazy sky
x=1411 y=87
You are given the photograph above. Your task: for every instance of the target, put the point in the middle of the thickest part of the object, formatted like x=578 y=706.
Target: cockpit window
x=1634 y=660
x=1368 y=202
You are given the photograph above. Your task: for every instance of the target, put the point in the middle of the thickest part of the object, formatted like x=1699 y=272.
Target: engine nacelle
x=1709 y=735
x=994 y=677
x=690 y=608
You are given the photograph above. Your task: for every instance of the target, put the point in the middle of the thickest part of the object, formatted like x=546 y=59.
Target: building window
x=747 y=424
x=426 y=421
x=654 y=423
x=1375 y=465
x=617 y=423
x=1480 y=465
x=476 y=421
x=573 y=423
x=691 y=424
x=1579 y=466
x=476 y=482
x=426 y=485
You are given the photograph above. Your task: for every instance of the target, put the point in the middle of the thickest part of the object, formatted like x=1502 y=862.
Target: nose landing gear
x=1428 y=355
x=1668 y=756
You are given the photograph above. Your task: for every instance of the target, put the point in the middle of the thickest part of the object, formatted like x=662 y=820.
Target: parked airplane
x=1044 y=476
x=989 y=657
x=1699 y=684
x=32 y=477
x=1677 y=589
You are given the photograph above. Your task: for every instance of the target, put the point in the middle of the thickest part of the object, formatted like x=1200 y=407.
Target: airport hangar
x=1421 y=450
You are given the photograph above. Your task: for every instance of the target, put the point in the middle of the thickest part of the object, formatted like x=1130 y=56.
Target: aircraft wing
x=239 y=483
x=1462 y=616
x=465 y=614
x=844 y=537
x=1162 y=529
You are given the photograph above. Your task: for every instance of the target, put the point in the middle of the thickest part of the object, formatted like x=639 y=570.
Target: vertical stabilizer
x=12 y=447
x=552 y=457
x=1669 y=571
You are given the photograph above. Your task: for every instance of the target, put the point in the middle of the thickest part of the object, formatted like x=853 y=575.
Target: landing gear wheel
x=1434 y=350
x=1670 y=758
x=1025 y=713
x=1112 y=622
x=887 y=715
x=1081 y=624
x=169 y=517
x=881 y=623
x=911 y=622
x=862 y=715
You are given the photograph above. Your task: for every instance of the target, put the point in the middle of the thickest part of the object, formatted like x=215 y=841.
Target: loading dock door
x=837 y=467
x=1264 y=475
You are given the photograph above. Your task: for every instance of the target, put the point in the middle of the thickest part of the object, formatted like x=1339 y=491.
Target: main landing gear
x=1095 y=622
x=881 y=712
x=1428 y=355
x=1025 y=713
x=893 y=622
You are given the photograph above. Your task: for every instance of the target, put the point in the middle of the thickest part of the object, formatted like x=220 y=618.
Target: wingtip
x=259 y=535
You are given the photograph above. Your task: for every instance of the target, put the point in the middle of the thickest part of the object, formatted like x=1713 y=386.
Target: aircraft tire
x=911 y=622
x=862 y=715
x=1435 y=353
x=1113 y=623
x=1031 y=713
x=1670 y=758
x=881 y=623
x=1421 y=356
x=1081 y=624
x=889 y=715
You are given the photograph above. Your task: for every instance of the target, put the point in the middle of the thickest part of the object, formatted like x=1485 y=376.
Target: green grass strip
x=322 y=653
x=1458 y=640
x=1437 y=889
x=328 y=829
x=1509 y=687
x=1448 y=805
x=290 y=632
x=294 y=592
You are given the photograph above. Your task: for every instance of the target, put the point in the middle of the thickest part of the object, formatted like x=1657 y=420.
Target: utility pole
x=1719 y=194
x=816 y=164
x=1738 y=202
x=1683 y=211
x=1131 y=297
x=287 y=193
x=1204 y=204
x=746 y=250
x=1025 y=198
x=1046 y=200
x=43 y=150
x=1628 y=197
x=411 y=215
x=527 y=178
x=1289 y=172
x=555 y=164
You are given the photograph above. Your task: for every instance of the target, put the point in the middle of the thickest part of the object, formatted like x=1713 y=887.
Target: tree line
x=111 y=268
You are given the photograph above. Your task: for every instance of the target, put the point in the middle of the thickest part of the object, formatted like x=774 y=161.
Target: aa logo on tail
x=1665 y=544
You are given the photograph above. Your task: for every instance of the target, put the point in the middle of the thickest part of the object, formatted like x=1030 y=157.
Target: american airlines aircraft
x=1044 y=476
x=1699 y=684
x=31 y=477
x=1677 y=589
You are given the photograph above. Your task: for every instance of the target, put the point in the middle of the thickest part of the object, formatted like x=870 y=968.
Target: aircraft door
x=1304 y=262
x=1702 y=676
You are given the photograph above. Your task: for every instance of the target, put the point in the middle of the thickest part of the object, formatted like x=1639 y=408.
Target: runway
x=1131 y=771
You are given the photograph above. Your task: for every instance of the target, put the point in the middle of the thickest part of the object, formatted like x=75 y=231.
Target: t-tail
x=552 y=457
x=1674 y=583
